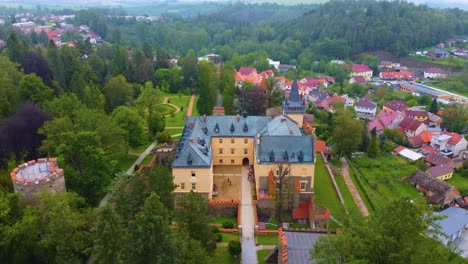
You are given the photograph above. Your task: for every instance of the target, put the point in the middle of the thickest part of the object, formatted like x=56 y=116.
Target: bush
x=235 y=248
x=228 y=225
x=163 y=137
x=210 y=247
x=214 y=229
x=219 y=237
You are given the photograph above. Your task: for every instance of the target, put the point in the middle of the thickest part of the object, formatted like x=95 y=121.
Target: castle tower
x=32 y=177
x=294 y=105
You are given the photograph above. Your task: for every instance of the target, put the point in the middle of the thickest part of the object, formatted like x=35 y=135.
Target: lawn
x=125 y=161
x=458 y=181
x=325 y=193
x=230 y=236
x=180 y=101
x=267 y=240
x=378 y=180
x=164 y=109
x=140 y=149
x=219 y=220
x=146 y=160
x=347 y=197
x=194 y=109
x=175 y=121
x=262 y=254
x=221 y=256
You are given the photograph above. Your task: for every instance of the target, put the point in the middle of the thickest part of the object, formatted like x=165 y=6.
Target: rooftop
x=299 y=244
x=457 y=219
x=33 y=170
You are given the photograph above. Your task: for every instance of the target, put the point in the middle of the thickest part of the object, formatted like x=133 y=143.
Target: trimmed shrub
x=228 y=225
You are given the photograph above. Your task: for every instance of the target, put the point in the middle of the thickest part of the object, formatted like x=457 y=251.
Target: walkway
x=177 y=109
x=190 y=106
x=357 y=198
x=249 y=253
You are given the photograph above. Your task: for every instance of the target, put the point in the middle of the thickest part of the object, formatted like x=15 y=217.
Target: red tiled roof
x=435 y=159
x=361 y=68
x=426 y=136
x=359 y=79
x=397 y=106
x=247 y=70
x=320 y=146
x=455 y=138
x=387 y=117
x=428 y=149
x=410 y=124
x=366 y=104
x=399 y=149
x=377 y=124
x=439 y=170
x=397 y=75
x=466 y=199
x=302 y=212
x=434 y=70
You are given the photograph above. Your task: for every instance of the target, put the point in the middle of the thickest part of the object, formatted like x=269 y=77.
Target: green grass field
x=267 y=240
x=175 y=121
x=458 y=181
x=219 y=220
x=125 y=161
x=164 y=109
x=378 y=180
x=230 y=236
x=325 y=192
x=347 y=197
x=222 y=256
x=262 y=254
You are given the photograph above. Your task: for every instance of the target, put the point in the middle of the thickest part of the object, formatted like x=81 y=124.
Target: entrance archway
x=245 y=161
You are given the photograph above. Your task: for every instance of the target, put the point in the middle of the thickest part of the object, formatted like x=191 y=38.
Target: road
x=249 y=252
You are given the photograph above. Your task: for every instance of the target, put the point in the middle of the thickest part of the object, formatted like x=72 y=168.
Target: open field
x=378 y=180
x=222 y=256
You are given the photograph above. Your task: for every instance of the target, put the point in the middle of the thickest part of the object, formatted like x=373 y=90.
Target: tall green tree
x=455 y=119
x=433 y=108
x=9 y=80
x=129 y=120
x=394 y=234
x=117 y=92
x=193 y=217
x=33 y=89
x=347 y=133
x=374 y=147
x=208 y=82
x=227 y=87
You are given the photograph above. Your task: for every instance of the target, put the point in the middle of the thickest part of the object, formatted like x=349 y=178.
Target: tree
x=208 y=82
x=9 y=80
x=374 y=146
x=109 y=236
x=346 y=134
x=282 y=185
x=16 y=48
x=156 y=124
x=189 y=250
x=93 y=98
x=193 y=217
x=151 y=236
x=394 y=234
x=33 y=89
x=35 y=63
x=433 y=108
x=19 y=133
x=163 y=137
x=455 y=119
x=190 y=69
x=227 y=87
x=234 y=248
x=129 y=120
x=117 y=92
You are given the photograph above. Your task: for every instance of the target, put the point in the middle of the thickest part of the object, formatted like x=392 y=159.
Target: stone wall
x=229 y=210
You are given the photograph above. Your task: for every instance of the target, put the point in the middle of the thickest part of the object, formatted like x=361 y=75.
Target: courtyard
x=227 y=181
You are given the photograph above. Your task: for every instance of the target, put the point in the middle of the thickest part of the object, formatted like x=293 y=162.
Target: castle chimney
x=191 y=140
x=204 y=118
x=192 y=124
x=238 y=118
x=291 y=132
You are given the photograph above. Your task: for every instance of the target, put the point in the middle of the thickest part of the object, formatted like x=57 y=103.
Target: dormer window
x=300 y=156
x=189 y=159
x=272 y=156
x=246 y=128
x=232 y=128
x=216 y=129
x=286 y=155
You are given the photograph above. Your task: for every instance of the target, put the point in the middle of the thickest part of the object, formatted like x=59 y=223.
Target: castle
x=216 y=146
x=32 y=177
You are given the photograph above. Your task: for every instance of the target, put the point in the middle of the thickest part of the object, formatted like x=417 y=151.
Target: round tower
x=32 y=177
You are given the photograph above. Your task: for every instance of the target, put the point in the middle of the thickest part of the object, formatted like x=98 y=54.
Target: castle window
x=246 y=151
x=232 y=161
x=232 y=141
x=303 y=186
x=246 y=141
x=221 y=161
x=182 y=186
x=220 y=141
x=220 y=151
x=194 y=186
x=233 y=151
x=193 y=173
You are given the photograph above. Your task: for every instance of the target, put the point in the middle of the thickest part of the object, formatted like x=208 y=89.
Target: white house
x=434 y=72
x=454 y=228
x=365 y=108
x=448 y=143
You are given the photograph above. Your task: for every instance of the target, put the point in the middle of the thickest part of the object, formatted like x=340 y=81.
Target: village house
x=448 y=143
x=422 y=139
x=454 y=228
x=385 y=119
x=412 y=127
x=388 y=65
x=433 y=159
x=357 y=79
x=396 y=106
x=247 y=74
x=434 y=72
x=441 y=172
x=365 y=108
x=397 y=75
x=438 y=53
x=437 y=191
x=361 y=70
x=419 y=115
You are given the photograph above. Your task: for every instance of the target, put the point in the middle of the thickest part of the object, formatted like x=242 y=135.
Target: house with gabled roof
x=357 y=79
x=365 y=108
x=420 y=115
x=434 y=72
x=361 y=70
x=441 y=172
x=433 y=159
x=453 y=225
x=412 y=127
x=396 y=106
x=437 y=191
x=247 y=74
x=449 y=144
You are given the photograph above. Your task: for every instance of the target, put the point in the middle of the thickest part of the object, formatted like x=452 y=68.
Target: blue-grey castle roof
x=276 y=135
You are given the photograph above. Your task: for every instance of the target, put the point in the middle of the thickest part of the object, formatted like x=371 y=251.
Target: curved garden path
x=177 y=109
